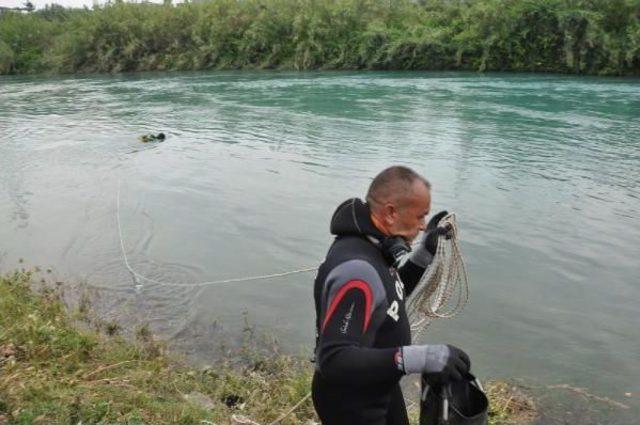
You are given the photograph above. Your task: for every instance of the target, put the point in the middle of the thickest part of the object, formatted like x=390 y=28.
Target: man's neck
x=378 y=224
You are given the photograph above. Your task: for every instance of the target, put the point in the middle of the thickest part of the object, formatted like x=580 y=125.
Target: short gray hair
x=393 y=182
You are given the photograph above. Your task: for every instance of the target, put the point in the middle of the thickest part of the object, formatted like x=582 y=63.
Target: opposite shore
x=595 y=37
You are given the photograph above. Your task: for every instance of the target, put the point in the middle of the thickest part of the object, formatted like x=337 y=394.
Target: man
x=363 y=344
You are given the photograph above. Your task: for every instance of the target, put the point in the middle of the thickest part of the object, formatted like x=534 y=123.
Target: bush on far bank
x=568 y=36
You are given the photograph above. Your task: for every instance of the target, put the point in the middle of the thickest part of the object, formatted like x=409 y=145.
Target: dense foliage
x=573 y=36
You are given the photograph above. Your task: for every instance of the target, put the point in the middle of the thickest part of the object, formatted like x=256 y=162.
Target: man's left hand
x=424 y=252
x=430 y=237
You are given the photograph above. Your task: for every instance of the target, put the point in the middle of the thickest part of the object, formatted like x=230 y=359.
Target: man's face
x=409 y=216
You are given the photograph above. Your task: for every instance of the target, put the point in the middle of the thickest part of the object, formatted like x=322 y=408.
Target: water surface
x=543 y=172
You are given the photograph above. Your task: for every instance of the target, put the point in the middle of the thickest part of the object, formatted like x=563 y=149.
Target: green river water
x=543 y=172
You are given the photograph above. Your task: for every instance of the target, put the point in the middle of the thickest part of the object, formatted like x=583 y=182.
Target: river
x=543 y=172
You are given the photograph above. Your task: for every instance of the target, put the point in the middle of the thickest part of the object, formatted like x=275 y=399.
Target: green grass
x=569 y=36
x=62 y=368
x=52 y=372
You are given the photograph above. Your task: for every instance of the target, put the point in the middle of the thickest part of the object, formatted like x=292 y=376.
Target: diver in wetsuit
x=363 y=344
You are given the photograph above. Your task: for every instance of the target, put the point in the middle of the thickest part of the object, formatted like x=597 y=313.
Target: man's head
x=399 y=199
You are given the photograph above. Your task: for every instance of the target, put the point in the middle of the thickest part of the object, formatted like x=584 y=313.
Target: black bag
x=459 y=403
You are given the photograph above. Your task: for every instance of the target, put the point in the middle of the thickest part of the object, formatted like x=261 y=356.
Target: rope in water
x=139 y=277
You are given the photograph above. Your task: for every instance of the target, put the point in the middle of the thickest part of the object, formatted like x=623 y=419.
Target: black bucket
x=459 y=403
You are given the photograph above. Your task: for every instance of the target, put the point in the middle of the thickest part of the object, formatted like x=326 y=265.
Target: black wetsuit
x=361 y=322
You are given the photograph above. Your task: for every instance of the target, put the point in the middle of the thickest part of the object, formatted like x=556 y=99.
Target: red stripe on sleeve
x=368 y=296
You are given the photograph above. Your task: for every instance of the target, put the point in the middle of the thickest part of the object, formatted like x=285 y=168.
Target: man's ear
x=390 y=214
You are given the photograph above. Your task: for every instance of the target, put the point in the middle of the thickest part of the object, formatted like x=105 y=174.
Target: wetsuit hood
x=353 y=218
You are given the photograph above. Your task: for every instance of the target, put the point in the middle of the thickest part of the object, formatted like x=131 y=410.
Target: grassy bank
x=52 y=372
x=58 y=368
x=568 y=36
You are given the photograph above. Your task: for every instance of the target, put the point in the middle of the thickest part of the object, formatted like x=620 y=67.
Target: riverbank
x=64 y=367
x=600 y=37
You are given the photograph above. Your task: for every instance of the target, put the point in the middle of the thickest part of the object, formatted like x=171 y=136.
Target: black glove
x=422 y=254
x=439 y=364
x=431 y=234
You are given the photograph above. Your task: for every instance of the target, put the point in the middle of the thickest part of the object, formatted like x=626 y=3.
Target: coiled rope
x=443 y=290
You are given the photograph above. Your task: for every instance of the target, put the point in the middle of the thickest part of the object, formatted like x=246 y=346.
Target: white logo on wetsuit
x=347 y=320
x=400 y=289
x=394 y=310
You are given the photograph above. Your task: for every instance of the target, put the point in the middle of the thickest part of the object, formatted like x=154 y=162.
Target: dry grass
x=510 y=404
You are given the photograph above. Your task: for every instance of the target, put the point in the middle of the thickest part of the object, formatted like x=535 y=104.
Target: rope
x=139 y=277
x=446 y=276
x=443 y=290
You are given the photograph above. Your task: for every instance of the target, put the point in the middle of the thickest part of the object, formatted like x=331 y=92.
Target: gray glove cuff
x=424 y=358
x=420 y=256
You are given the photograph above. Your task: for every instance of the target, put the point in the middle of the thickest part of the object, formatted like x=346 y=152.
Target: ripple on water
x=542 y=170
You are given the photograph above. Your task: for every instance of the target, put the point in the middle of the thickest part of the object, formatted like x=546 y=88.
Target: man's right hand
x=438 y=362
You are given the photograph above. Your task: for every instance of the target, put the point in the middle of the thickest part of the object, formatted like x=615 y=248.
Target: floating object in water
x=145 y=138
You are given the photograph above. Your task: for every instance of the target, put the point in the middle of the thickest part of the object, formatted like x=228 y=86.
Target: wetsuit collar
x=353 y=217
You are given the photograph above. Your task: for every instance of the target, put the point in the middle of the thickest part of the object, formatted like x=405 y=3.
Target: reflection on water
x=543 y=171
